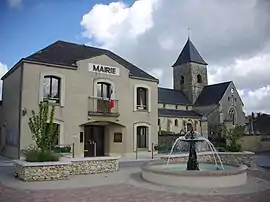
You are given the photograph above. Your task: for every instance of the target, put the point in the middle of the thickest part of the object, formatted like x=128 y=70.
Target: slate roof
x=212 y=94
x=177 y=113
x=171 y=96
x=189 y=54
x=67 y=53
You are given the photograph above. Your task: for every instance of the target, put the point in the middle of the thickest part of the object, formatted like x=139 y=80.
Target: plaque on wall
x=117 y=137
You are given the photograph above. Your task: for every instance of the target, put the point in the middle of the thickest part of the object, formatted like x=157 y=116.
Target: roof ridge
x=214 y=84
x=73 y=43
x=168 y=88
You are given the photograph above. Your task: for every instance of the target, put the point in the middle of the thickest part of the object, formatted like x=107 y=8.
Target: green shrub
x=33 y=154
x=43 y=132
x=160 y=147
x=233 y=147
x=59 y=149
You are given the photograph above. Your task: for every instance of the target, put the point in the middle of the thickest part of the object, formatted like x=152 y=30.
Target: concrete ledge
x=98 y=158
x=156 y=173
x=33 y=164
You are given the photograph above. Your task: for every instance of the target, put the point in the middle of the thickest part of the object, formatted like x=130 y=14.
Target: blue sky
x=35 y=24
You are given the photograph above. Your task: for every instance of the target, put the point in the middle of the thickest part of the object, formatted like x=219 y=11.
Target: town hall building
x=106 y=106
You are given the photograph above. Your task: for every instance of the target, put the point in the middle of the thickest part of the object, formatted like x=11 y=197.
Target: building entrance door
x=94 y=140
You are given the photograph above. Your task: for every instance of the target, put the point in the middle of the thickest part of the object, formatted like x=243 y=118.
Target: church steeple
x=190 y=72
x=189 y=54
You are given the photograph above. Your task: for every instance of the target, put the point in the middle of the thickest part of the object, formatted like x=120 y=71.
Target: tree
x=42 y=127
x=232 y=136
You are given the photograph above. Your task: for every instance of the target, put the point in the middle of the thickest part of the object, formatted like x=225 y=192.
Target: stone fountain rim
x=206 y=153
x=238 y=170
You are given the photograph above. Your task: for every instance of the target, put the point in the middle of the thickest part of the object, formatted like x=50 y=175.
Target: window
x=176 y=122
x=182 y=80
x=103 y=90
x=232 y=115
x=186 y=107
x=159 y=122
x=184 y=124
x=189 y=127
x=229 y=98
x=196 y=125
x=199 y=78
x=81 y=136
x=164 y=106
x=142 y=133
x=142 y=98
x=51 y=88
x=56 y=132
x=176 y=106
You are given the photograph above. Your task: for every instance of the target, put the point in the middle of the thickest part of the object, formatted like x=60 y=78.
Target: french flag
x=111 y=101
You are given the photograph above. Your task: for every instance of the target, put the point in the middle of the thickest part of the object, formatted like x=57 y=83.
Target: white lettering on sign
x=104 y=69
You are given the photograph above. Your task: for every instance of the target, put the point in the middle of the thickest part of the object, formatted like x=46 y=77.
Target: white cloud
x=3 y=70
x=14 y=3
x=232 y=36
x=109 y=23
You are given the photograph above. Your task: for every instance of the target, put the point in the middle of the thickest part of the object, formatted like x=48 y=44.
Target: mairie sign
x=103 y=69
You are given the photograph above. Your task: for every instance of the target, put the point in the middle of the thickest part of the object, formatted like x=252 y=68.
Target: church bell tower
x=190 y=72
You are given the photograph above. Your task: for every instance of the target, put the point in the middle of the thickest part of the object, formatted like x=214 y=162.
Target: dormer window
x=51 y=88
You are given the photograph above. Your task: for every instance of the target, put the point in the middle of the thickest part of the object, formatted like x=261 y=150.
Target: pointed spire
x=189 y=54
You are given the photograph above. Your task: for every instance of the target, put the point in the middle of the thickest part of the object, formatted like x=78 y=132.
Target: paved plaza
x=127 y=185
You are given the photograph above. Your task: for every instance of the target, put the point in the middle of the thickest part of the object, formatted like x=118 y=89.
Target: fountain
x=192 y=138
x=192 y=173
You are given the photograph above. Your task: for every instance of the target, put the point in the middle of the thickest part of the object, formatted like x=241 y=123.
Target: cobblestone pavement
x=123 y=193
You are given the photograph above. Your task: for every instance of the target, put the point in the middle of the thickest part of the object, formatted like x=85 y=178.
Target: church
x=193 y=102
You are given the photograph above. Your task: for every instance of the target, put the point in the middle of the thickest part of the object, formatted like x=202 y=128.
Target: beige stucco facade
x=77 y=85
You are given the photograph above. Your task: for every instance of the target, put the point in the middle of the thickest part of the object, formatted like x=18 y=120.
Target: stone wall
x=255 y=143
x=42 y=171
x=82 y=166
x=61 y=170
x=230 y=158
x=166 y=140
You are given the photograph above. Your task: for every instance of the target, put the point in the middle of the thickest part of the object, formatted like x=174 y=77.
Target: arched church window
x=182 y=80
x=232 y=115
x=199 y=78
x=176 y=122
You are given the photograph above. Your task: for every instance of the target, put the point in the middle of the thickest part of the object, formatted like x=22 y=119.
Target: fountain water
x=192 y=138
x=203 y=174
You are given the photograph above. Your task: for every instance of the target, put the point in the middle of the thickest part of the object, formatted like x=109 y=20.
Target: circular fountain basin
x=208 y=176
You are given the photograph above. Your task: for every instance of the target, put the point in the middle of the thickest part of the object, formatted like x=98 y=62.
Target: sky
x=232 y=36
